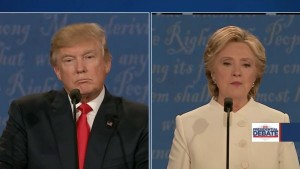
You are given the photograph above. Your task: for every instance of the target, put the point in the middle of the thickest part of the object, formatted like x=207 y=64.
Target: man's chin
x=89 y=92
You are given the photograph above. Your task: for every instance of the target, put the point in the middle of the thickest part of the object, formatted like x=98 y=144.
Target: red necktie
x=83 y=132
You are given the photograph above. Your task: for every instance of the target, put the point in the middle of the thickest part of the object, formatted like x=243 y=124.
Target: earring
x=214 y=81
x=253 y=84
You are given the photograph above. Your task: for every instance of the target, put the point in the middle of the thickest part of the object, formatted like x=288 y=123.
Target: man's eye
x=89 y=56
x=67 y=60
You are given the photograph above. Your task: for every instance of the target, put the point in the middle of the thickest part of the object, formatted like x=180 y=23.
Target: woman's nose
x=237 y=71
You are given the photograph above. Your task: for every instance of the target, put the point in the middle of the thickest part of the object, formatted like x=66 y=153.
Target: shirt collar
x=250 y=103
x=95 y=104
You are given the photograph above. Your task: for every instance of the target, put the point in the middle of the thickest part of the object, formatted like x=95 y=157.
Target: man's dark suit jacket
x=40 y=134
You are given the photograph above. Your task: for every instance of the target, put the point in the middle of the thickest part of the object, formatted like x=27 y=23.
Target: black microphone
x=75 y=98
x=227 y=108
x=228 y=104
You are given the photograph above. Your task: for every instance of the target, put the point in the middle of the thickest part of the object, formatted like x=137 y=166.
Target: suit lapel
x=100 y=133
x=63 y=127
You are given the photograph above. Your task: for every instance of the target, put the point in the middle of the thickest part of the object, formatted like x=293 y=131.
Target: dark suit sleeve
x=139 y=117
x=142 y=155
x=133 y=129
x=13 y=141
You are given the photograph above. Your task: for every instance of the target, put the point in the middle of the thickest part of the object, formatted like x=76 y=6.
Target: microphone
x=227 y=108
x=75 y=98
x=228 y=104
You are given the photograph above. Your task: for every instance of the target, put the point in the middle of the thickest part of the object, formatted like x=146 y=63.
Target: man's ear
x=57 y=72
x=107 y=66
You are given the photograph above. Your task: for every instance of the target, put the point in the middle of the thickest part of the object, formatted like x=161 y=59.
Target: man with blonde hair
x=110 y=132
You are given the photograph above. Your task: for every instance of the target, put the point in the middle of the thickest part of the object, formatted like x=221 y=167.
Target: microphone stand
x=75 y=134
x=75 y=98
x=227 y=108
x=227 y=142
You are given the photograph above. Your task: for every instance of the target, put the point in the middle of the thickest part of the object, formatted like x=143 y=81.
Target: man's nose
x=80 y=66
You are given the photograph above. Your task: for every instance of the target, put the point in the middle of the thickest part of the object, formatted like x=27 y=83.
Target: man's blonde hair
x=76 y=33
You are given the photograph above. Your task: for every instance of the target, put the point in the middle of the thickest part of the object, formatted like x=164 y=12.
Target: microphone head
x=75 y=96
x=228 y=104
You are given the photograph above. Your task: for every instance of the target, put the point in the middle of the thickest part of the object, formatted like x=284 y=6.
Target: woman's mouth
x=237 y=84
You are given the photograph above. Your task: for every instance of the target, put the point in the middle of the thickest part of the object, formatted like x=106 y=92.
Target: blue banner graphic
x=290 y=132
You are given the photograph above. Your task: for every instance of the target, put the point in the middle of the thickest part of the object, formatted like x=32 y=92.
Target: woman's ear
x=213 y=78
x=212 y=74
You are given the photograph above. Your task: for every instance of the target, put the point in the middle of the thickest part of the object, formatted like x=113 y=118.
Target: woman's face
x=234 y=71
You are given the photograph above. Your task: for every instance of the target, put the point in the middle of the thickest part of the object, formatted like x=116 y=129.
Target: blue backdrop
x=178 y=76
x=151 y=6
x=24 y=53
x=178 y=81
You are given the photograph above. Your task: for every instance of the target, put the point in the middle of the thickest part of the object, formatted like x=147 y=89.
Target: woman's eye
x=226 y=63
x=246 y=65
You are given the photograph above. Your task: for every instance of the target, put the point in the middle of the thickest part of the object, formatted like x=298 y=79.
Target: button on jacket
x=200 y=139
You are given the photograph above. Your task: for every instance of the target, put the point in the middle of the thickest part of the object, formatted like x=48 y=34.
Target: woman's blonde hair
x=219 y=40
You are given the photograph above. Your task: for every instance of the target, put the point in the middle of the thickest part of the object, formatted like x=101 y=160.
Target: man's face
x=82 y=66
